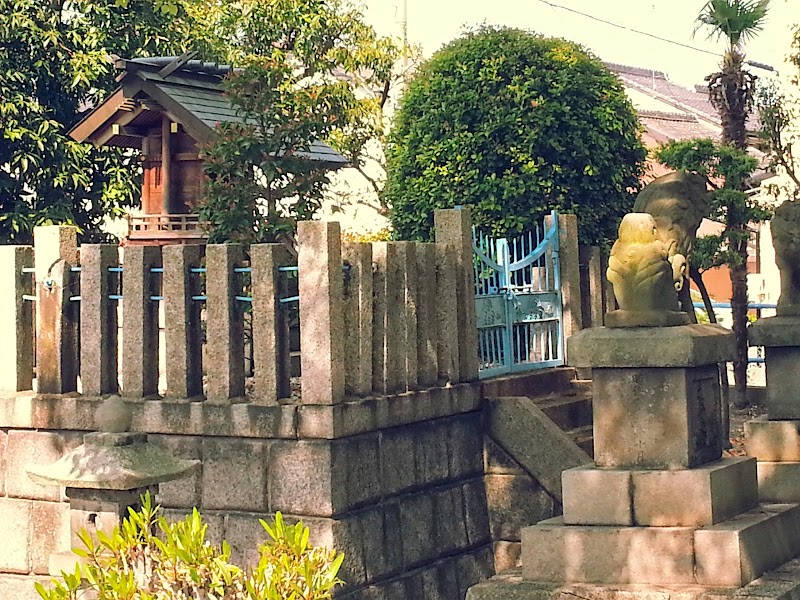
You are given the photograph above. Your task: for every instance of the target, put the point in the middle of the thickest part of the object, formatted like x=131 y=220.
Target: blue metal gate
x=518 y=301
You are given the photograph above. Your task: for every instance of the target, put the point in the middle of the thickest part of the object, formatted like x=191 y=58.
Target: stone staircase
x=558 y=393
x=537 y=425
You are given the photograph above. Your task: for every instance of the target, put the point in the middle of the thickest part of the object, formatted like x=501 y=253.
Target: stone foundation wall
x=515 y=500
x=394 y=482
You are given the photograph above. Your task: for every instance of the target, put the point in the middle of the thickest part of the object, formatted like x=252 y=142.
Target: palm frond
x=736 y=20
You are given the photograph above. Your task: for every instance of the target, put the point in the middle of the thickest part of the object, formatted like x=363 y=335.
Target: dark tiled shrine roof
x=190 y=91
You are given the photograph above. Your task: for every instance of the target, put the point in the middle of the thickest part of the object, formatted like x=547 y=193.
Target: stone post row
x=16 y=319
x=55 y=251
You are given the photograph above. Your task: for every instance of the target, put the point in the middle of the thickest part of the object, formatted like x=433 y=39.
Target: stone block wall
x=397 y=485
x=514 y=500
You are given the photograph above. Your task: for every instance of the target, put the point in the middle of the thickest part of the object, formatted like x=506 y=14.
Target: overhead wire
x=752 y=63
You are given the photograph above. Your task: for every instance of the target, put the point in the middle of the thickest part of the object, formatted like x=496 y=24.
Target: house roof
x=190 y=92
x=670 y=111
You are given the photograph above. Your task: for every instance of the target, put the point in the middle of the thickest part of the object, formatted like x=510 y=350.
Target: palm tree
x=731 y=92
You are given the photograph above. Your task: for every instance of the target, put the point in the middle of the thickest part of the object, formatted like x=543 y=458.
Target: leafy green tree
x=302 y=67
x=732 y=91
x=53 y=67
x=514 y=125
x=727 y=170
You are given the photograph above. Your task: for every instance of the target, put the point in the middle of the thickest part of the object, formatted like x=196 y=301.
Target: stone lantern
x=107 y=475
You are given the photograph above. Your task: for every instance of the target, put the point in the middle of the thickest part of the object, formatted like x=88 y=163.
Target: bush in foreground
x=150 y=559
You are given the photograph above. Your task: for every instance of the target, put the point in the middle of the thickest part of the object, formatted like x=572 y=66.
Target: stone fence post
x=569 y=258
x=593 y=302
x=454 y=229
x=16 y=319
x=55 y=252
x=320 y=283
x=98 y=319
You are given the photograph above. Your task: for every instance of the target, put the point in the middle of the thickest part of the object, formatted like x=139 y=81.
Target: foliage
x=178 y=563
x=731 y=90
x=777 y=114
x=514 y=125
x=371 y=235
x=727 y=169
x=52 y=67
x=302 y=65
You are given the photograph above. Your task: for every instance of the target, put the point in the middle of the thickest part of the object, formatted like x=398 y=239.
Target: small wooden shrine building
x=166 y=107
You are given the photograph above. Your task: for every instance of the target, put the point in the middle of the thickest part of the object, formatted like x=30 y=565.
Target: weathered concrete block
x=497 y=461
x=50 y=533
x=235 y=474
x=301 y=479
x=772 y=440
x=476 y=512
x=595 y=496
x=540 y=446
x=182 y=330
x=16 y=319
x=389 y=316
x=224 y=323
x=28 y=448
x=358 y=459
x=397 y=460
x=450 y=533
x=320 y=285
x=465 y=446
x=506 y=555
x=431 y=452
x=553 y=552
x=98 y=319
x=358 y=318
x=515 y=502
x=783 y=380
x=15 y=531
x=682 y=346
x=272 y=361
x=775 y=332
x=427 y=359
x=187 y=491
x=779 y=482
x=473 y=567
x=454 y=229
x=21 y=587
x=447 y=353
x=244 y=533
x=737 y=551
x=140 y=322
x=696 y=497
x=416 y=516
x=656 y=418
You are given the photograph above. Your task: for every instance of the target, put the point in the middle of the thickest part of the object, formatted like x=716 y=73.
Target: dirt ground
x=738 y=418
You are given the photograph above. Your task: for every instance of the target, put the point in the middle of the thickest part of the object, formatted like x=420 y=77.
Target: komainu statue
x=642 y=275
x=678 y=202
x=786 y=239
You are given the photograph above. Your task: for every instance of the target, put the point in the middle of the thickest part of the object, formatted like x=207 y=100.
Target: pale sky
x=432 y=23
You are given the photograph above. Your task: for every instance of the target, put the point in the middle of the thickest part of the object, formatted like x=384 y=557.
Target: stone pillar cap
x=779 y=331
x=679 y=346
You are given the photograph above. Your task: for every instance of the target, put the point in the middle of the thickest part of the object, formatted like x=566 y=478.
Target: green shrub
x=177 y=563
x=513 y=124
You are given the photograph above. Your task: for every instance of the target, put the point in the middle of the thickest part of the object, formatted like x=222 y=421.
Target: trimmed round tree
x=514 y=125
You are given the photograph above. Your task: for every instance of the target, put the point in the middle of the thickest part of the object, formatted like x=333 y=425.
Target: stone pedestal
x=774 y=440
x=660 y=506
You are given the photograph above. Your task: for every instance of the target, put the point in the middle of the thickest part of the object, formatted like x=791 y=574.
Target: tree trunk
x=739 y=311
x=685 y=299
